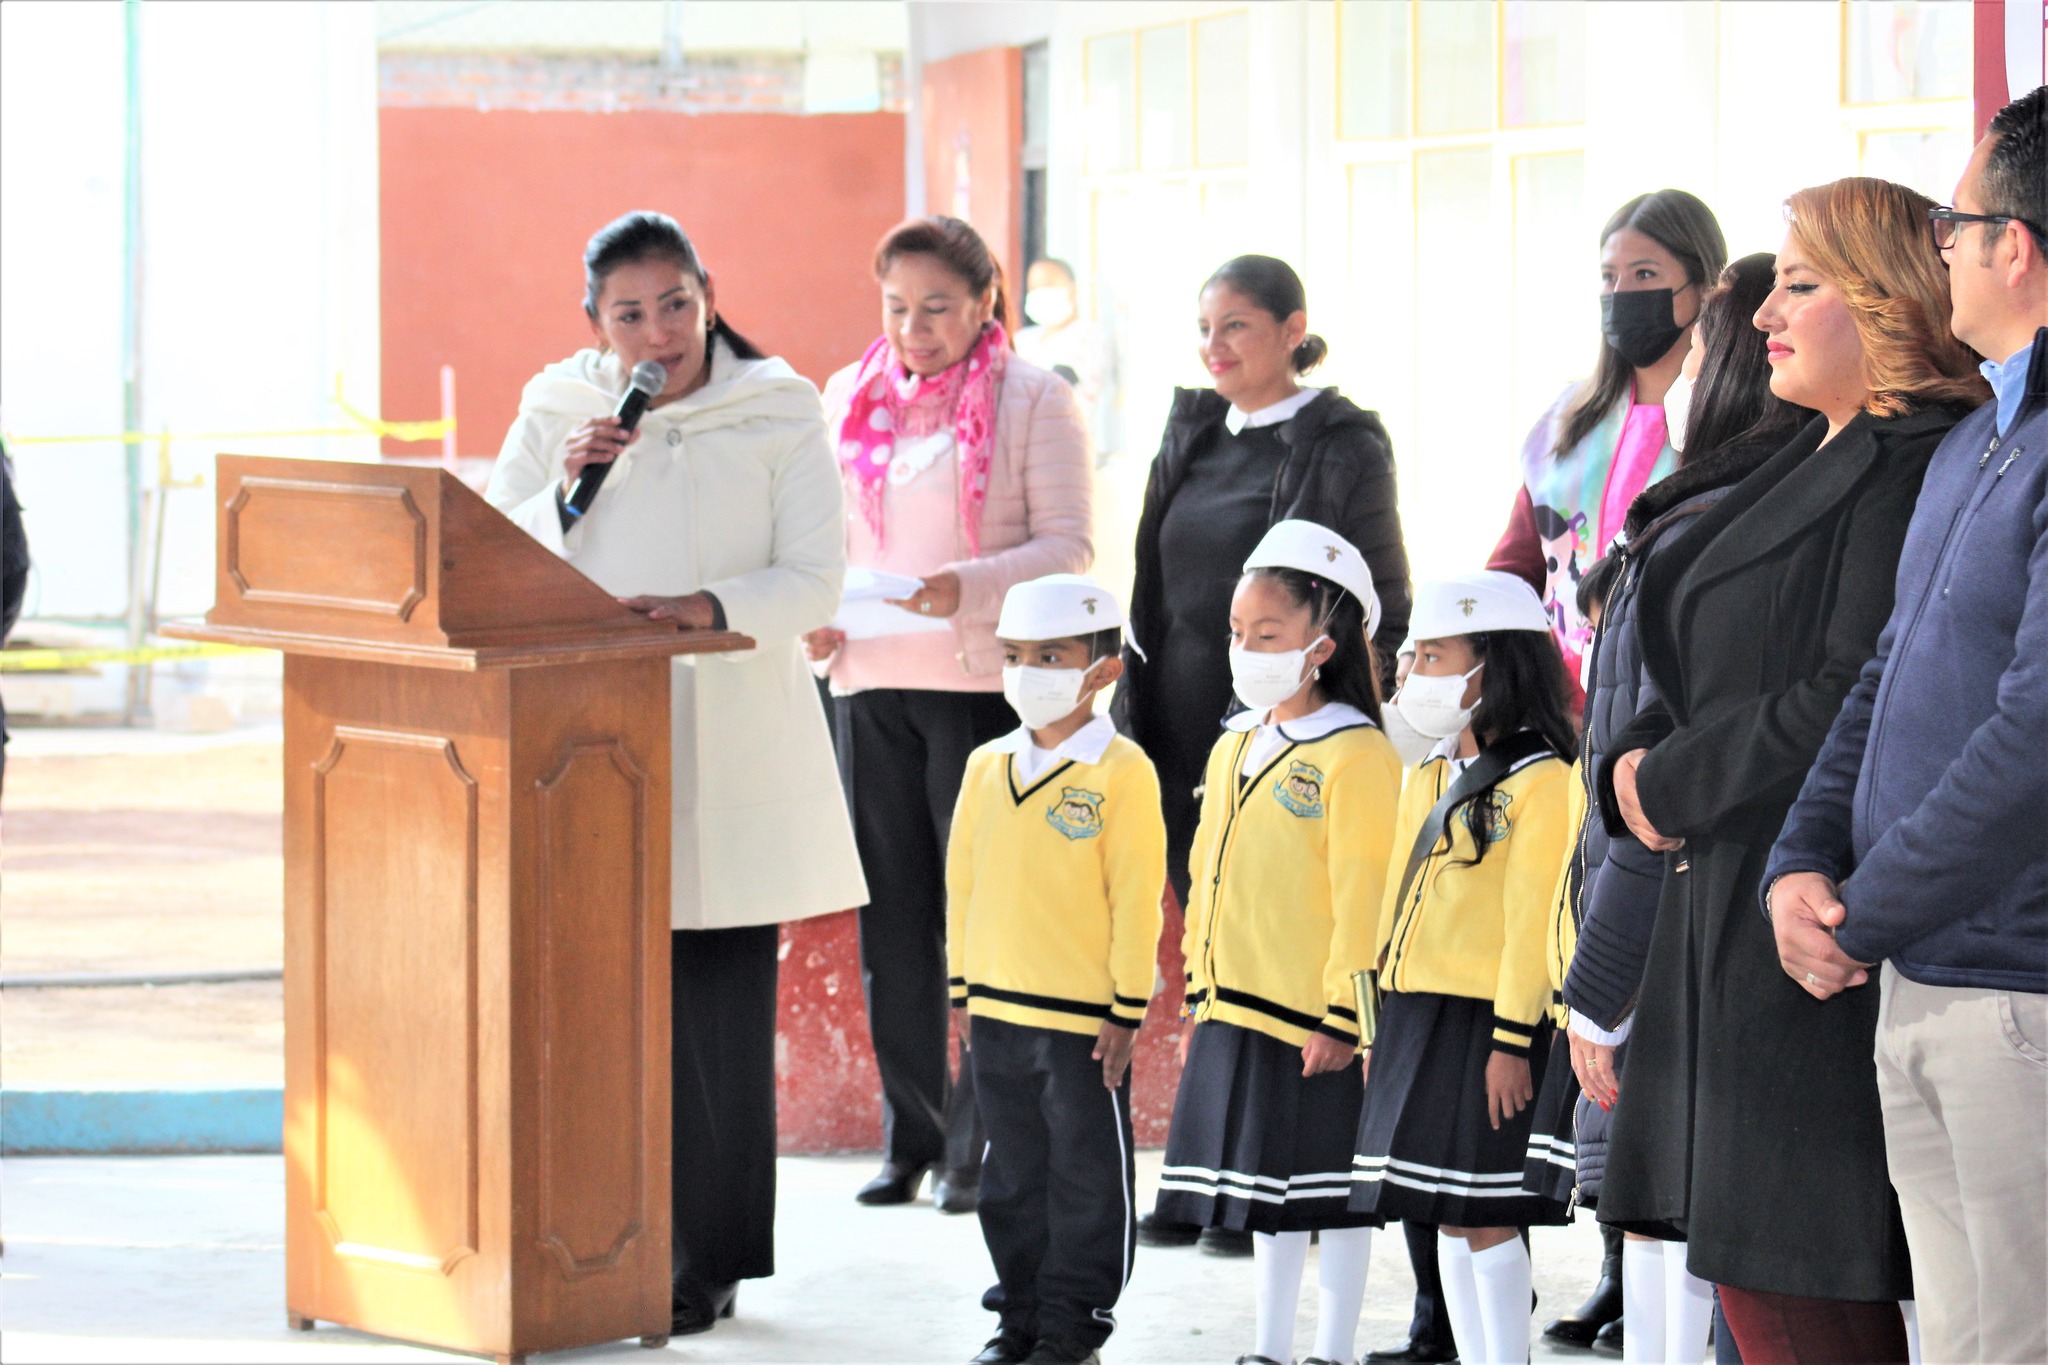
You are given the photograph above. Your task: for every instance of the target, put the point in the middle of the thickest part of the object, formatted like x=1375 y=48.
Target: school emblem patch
x=1488 y=818
x=1077 y=814
x=1300 y=789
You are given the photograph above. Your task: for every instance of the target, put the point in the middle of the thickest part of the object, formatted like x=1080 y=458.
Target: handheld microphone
x=647 y=381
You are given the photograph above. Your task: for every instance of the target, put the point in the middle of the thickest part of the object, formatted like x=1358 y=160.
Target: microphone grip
x=593 y=475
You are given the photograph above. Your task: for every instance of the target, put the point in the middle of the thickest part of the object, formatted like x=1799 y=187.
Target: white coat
x=732 y=490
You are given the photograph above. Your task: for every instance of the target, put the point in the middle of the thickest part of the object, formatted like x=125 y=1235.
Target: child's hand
x=1187 y=1035
x=1508 y=1089
x=961 y=1022
x=1113 y=1044
x=1323 y=1053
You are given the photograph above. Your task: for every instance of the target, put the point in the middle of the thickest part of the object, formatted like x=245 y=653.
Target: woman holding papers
x=721 y=510
x=966 y=470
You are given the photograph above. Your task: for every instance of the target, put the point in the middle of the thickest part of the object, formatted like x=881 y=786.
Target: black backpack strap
x=1493 y=763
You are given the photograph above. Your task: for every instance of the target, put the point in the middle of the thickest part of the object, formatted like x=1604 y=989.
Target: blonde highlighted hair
x=1870 y=237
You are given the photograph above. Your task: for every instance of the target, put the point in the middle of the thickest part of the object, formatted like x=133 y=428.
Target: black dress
x=1750 y=1125
x=1330 y=463
x=1215 y=521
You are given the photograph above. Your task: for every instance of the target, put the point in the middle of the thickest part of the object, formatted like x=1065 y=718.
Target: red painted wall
x=974 y=130
x=484 y=215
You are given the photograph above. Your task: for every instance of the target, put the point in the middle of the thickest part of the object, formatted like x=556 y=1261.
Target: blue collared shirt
x=2008 y=383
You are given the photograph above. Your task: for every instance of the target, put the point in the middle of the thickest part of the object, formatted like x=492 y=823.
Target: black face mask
x=1639 y=323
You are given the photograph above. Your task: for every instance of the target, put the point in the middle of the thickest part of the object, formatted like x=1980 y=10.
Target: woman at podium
x=721 y=511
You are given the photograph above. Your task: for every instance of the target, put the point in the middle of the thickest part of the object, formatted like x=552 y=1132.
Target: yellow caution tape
x=67 y=660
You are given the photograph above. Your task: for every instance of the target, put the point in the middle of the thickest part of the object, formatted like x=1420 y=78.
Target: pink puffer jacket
x=1038 y=518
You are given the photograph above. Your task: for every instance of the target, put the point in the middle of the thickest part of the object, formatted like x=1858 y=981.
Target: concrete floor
x=171 y=1259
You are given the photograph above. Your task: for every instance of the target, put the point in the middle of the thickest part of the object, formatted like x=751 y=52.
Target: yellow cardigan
x=1287 y=869
x=1053 y=890
x=1479 y=930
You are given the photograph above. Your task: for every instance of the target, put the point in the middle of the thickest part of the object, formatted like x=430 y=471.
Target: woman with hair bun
x=722 y=510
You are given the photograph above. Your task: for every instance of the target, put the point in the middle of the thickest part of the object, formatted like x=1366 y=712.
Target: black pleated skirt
x=1255 y=1145
x=1550 y=1166
x=1425 y=1150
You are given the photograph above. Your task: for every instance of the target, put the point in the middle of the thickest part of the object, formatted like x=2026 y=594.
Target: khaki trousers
x=1963 y=1075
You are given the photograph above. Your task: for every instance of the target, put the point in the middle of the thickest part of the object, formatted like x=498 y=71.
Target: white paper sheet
x=865 y=613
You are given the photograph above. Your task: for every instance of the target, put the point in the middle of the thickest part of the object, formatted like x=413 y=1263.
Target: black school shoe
x=895 y=1185
x=1154 y=1231
x=957 y=1192
x=1412 y=1352
x=698 y=1308
x=1004 y=1348
x=1050 y=1352
x=1601 y=1307
x=1608 y=1339
x=1226 y=1242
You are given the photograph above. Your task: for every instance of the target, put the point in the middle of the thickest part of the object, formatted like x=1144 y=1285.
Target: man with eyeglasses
x=1920 y=839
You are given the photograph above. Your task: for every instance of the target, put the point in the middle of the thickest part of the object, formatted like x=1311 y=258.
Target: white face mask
x=1263 y=681
x=1436 y=706
x=1677 y=409
x=1043 y=696
x=1049 y=307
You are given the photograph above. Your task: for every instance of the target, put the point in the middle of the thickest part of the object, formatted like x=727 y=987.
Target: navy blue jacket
x=1928 y=804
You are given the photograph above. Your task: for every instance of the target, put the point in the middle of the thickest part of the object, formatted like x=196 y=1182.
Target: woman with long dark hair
x=1604 y=439
x=966 y=469
x=1724 y=422
x=721 y=511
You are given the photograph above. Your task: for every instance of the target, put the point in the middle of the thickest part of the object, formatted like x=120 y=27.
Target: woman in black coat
x=1256 y=449
x=1751 y=1127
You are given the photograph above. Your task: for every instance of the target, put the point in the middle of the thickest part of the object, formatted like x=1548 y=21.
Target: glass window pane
x=1223 y=90
x=1373 y=358
x=1556 y=305
x=1461 y=494
x=1907 y=50
x=1454 y=66
x=1163 y=122
x=1372 y=69
x=1926 y=161
x=1543 y=65
x=1227 y=226
x=1111 y=88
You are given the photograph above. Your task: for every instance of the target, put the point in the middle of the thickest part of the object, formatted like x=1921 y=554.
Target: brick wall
x=704 y=83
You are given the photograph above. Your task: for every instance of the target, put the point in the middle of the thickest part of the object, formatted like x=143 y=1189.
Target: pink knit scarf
x=889 y=402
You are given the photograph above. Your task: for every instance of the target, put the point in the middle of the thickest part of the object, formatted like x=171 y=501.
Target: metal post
x=448 y=460
x=131 y=355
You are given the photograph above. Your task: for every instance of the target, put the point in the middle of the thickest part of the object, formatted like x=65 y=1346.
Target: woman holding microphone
x=966 y=468
x=721 y=511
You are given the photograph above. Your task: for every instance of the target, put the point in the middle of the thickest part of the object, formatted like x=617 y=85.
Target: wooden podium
x=476 y=972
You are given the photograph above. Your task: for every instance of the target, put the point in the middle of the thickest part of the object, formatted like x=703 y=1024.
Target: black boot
x=1601 y=1307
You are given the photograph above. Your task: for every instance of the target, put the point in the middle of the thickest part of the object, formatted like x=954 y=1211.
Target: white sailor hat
x=1318 y=550
x=1473 y=603
x=1057 y=607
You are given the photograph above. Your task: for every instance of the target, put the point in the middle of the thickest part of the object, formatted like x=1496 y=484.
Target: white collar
x=1086 y=745
x=1330 y=716
x=1237 y=419
x=1445 y=748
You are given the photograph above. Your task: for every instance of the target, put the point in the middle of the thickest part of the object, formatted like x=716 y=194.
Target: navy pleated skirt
x=1255 y=1145
x=1426 y=1151
x=1550 y=1167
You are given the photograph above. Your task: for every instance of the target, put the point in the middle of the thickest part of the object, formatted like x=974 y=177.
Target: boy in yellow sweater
x=1053 y=877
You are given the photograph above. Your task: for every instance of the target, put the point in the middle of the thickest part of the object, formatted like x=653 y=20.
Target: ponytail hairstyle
x=1352 y=672
x=648 y=236
x=1272 y=284
x=955 y=245
x=1521 y=687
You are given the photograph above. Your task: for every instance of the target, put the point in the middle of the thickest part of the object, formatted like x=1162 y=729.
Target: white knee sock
x=1342 y=1260
x=1502 y=1274
x=1688 y=1310
x=1911 y=1313
x=1642 y=1300
x=1461 y=1296
x=1277 y=1259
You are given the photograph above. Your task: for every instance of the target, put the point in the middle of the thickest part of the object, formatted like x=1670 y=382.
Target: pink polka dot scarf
x=890 y=402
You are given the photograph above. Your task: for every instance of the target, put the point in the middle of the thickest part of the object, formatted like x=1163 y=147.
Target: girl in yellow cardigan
x=1297 y=818
x=1464 y=1027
